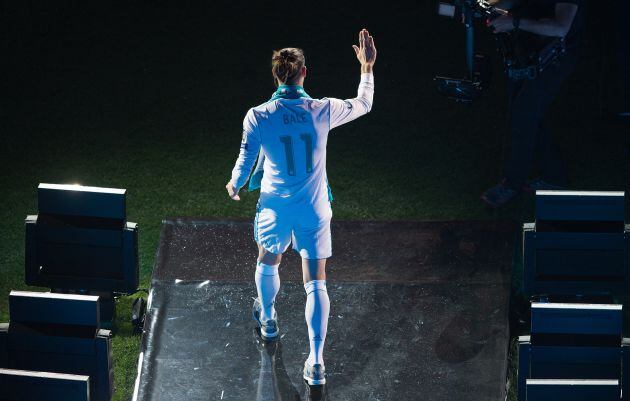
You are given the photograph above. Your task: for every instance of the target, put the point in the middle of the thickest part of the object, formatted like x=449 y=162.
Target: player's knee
x=310 y=277
x=313 y=269
x=315 y=285
x=269 y=258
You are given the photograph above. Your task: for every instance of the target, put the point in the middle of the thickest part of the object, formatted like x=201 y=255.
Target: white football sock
x=267 y=285
x=316 y=313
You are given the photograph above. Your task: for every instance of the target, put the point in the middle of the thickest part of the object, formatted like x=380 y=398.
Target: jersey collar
x=289 y=92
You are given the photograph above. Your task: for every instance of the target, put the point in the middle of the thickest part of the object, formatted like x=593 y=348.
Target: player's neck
x=300 y=83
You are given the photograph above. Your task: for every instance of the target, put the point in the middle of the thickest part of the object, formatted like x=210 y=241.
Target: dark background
x=151 y=98
x=122 y=76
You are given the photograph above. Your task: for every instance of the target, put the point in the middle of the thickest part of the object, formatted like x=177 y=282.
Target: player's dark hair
x=286 y=65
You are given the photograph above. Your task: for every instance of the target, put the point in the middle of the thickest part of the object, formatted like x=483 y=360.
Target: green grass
x=152 y=100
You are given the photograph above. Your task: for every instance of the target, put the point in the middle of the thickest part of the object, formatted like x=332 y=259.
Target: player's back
x=292 y=134
x=293 y=137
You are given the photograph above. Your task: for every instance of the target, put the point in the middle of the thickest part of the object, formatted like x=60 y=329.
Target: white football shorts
x=306 y=227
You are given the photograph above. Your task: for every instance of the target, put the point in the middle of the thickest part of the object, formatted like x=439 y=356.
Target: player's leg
x=317 y=307
x=273 y=234
x=316 y=314
x=267 y=281
x=313 y=269
x=268 y=258
x=312 y=240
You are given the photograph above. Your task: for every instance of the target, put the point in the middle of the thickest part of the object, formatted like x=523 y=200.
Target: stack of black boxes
x=81 y=242
x=576 y=261
x=82 y=247
x=56 y=333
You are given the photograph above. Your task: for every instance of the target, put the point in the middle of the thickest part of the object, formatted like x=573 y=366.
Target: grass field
x=152 y=100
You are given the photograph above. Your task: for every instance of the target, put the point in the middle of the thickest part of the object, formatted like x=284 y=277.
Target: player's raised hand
x=366 y=51
x=232 y=192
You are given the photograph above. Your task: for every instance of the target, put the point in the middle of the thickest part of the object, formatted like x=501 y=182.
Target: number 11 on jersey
x=288 y=149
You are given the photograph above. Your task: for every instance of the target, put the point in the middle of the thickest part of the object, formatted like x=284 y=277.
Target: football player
x=288 y=134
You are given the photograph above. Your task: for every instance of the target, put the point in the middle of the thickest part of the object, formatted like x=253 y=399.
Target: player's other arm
x=343 y=111
x=250 y=146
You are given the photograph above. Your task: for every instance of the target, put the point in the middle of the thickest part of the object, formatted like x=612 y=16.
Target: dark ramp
x=418 y=312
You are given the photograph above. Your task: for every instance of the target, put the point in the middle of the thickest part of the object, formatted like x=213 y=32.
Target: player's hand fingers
x=362 y=39
x=232 y=193
x=366 y=39
x=356 y=50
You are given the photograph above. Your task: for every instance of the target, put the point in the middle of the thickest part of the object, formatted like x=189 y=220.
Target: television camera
x=525 y=55
x=468 y=88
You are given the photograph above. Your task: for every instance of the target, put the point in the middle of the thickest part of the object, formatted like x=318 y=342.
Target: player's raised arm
x=250 y=146
x=366 y=51
x=343 y=111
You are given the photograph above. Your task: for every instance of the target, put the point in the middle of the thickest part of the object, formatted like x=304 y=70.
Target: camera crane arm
x=467 y=89
x=471 y=9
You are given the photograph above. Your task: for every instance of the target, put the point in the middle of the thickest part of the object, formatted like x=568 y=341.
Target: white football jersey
x=293 y=134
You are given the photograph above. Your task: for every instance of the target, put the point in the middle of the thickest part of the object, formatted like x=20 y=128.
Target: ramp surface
x=418 y=312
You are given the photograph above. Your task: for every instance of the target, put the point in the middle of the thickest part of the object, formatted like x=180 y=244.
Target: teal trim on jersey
x=289 y=92
x=256 y=178
x=283 y=92
x=330 y=197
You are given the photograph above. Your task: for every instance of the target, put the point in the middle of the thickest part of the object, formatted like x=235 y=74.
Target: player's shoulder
x=260 y=109
x=318 y=103
x=315 y=105
x=331 y=100
x=257 y=113
x=263 y=109
x=267 y=108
